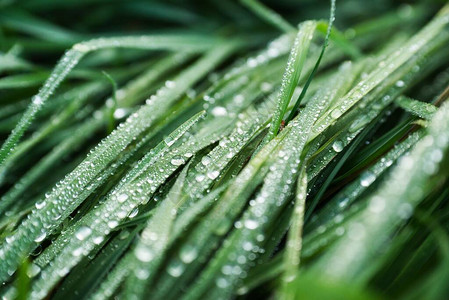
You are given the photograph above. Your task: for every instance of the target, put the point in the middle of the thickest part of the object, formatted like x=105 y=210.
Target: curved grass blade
x=400 y=57
x=154 y=240
x=294 y=238
x=409 y=182
x=87 y=234
x=74 y=55
x=59 y=203
x=291 y=76
x=418 y=108
x=317 y=64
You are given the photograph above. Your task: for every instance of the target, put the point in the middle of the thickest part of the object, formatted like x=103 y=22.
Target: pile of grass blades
x=216 y=150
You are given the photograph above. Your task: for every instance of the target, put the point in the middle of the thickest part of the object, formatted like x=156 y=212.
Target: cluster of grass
x=217 y=150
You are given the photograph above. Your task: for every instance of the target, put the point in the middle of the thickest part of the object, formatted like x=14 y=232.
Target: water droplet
x=10 y=239
x=41 y=237
x=205 y=160
x=338 y=146
x=238 y=99
x=405 y=210
x=199 y=177
x=175 y=269
x=177 y=161
x=170 y=84
x=33 y=270
x=336 y=113
x=120 y=113
x=143 y=254
x=77 y=251
x=142 y=274
x=219 y=111
x=247 y=246
x=122 y=198
x=377 y=204
x=222 y=282
x=37 y=100
x=133 y=213
x=98 y=240
x=213 y=174
x=112 y=224
x=169 y=141
x=400 y=83
x=367 y=178
x=40 y=204
x=83 y=233
x=251 y=224
x=188 y=254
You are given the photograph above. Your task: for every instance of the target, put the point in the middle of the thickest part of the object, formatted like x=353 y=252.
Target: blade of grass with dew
x=294 y=238
x=392 y=63
x=291 y=76
x=81 y=96
x=93 y=271
x=317 y=64
x=418 y=108
x=74 y=55
x=82 y=238
x=365 y=113
x=126 y=97
x=276 y=189
x=352 y=192
x=217 y=222
x=154 y=240
x=414 y=172
x=33 y=175
x=98 y=159
x=121 y=271
x=140 y=168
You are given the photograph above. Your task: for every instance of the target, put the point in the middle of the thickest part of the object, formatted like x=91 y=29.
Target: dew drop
x=122 y=198
x=170 y=84
x=205 y=160
x=222 y=282
x=367 y=178
x=41 y=237
x=37 y=100
x=40 y=204
x=177 y=161
x=133 y=213
x=188 y=254
x=213 y=174
x=112 y=224
x=141 y=274
x=33 y=270
x=98 y=240
x=143 y=254
x=251 y=224
x=336 y=113
x=400 y=83
x=77 y=251
x=219 y=111
x=169 y=141
x=83 y=233
x=175 y=269
x=199 y=177
x=338 y=146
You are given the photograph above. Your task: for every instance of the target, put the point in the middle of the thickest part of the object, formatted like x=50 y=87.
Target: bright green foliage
x=234 y=149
